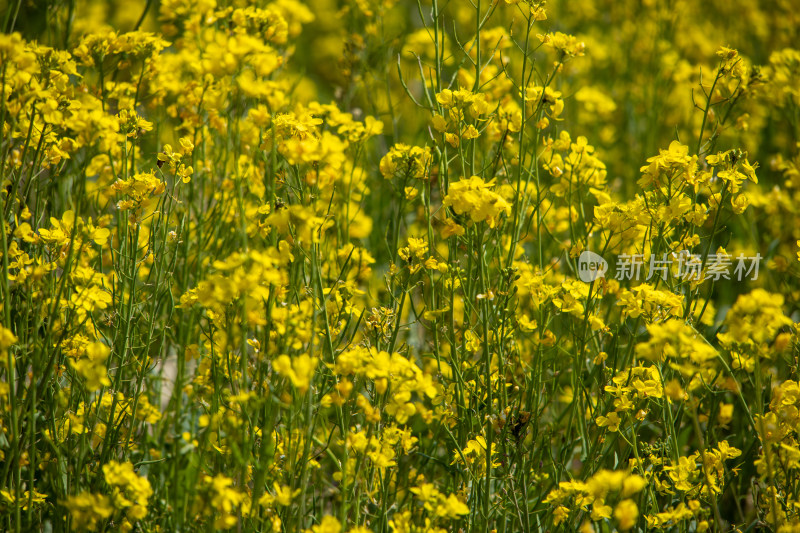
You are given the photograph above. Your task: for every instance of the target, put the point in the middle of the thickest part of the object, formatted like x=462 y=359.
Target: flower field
x=399 y=266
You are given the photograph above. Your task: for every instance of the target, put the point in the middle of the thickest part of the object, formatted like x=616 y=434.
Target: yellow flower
x=626 y=514
x=471 y=341
x=725 y=414
x=328 y=524
x=283 y=496
x=611 y=421
x=92 y=367
x=220 y=499
x=130 y=491
x=560 y=514
x=451 y=507
x=404 y=161
x=567 y=45
x=427 y=494
x=139 y=188
x=299 y=369
x=462 y=99
x=473 y=196
x=88 y=510
x=7 y=340
x=600 y=511
x=754 y=319
x=26 y=499
x=416 y=248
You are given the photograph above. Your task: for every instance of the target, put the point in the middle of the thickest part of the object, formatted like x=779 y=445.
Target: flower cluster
x=328 y=267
